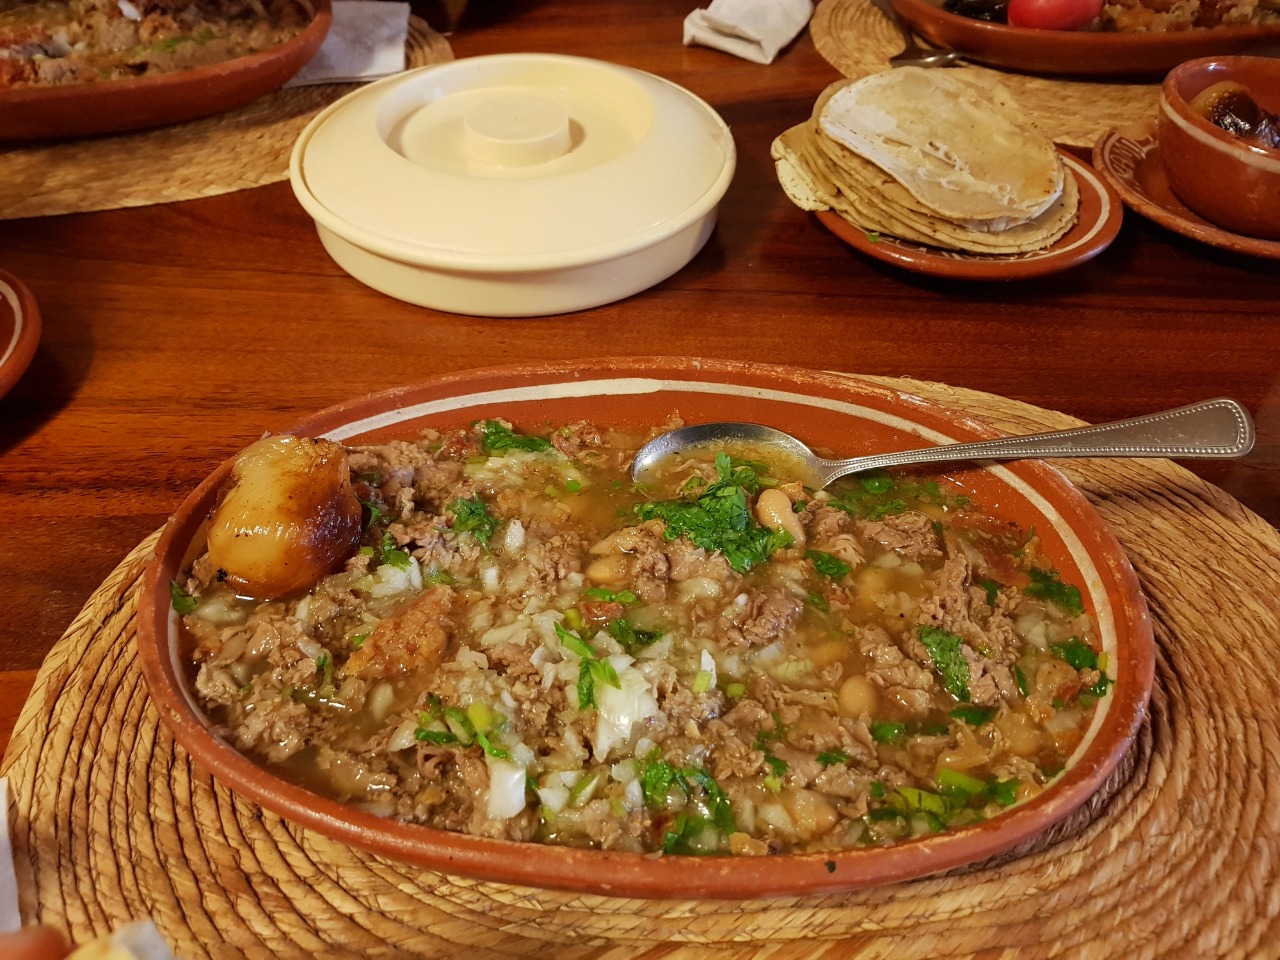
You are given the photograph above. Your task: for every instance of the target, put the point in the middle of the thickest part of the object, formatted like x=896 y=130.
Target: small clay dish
x=844 y=413
x=19 y=330
x=1223 y=177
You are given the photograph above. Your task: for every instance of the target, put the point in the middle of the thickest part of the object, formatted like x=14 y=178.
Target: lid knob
x=516 y=130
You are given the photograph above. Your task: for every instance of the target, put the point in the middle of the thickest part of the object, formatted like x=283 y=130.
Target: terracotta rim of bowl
x=628 y=874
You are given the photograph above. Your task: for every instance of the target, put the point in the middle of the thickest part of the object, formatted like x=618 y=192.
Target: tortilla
x=819 y=171
x=966 y=152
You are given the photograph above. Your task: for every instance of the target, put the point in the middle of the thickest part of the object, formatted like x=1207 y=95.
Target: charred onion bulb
x=289 y=516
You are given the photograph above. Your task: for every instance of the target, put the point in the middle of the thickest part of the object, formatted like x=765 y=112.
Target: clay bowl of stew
x=1220 y=140
x=893 y=831
x=36 y=112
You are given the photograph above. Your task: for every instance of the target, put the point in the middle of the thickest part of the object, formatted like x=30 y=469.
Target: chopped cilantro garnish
x=876 y=481
x=888 y=508
x=878 y=494
x=829 y=565
x=376 y=514
x=818 y=602
x=974 y=716
x=954 y=782
x=472 y=726
x=1099 y=690
x=1077 y=653
x=628 y=636
x=183 y=602
x=1003 y=792
x=777 y=765
x=948 y=661
x=438 y=737
x=657 y=777
x=717 y=800
x=720 y=518
x=1046 y=585
x=770 y=736
x=828 y=757
x=358 y=639
x=992 y=590
x=885 y=731
x=393 y=555
x=1020 y=679
x=571 y=641
x=473 y=516
x=611 y=596
x=877 y=789
x=586 y=685
x=497 y=438
x=913 y=799
x=434 y=574
x=592 y=670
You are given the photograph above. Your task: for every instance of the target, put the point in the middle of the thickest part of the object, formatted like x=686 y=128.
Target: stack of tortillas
x=929 y=156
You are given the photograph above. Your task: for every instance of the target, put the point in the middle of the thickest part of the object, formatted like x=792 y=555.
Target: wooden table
x=175 y=334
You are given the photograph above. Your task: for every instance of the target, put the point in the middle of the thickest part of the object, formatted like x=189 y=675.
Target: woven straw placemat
x=231 y=151
x=857 y=39
x=1177 y=857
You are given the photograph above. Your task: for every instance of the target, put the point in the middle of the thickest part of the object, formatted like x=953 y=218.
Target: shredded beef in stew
x=514 y=641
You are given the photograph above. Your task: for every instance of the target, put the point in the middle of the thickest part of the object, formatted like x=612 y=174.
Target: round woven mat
x=1176 y=857
x=232 y=151
x=857 y=39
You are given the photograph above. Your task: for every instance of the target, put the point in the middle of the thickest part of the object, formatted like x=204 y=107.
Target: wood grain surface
x=174 y=334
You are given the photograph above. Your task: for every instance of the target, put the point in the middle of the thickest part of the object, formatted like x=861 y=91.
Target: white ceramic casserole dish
x=514 y=185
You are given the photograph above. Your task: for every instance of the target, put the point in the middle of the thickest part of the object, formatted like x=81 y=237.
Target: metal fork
x=913 y=54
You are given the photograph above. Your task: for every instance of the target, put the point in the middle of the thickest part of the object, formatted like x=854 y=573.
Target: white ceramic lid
x=513 y=162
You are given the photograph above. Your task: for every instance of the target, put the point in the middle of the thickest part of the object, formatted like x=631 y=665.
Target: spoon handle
x=1212 y=429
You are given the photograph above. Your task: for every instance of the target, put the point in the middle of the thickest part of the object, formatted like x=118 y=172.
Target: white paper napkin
x=365 y=41
x=752 y=29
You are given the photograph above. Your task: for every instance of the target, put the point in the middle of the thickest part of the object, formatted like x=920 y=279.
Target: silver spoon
x=914 y=55
x=1212 y=429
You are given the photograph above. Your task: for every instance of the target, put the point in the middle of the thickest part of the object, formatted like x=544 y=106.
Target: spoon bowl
x=1212 y=429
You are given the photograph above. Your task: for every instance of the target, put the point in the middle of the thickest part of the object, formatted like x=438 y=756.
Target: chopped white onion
x=513 y=537
x=381 y=696
x=506 y=788
x=403 y=737
x=618 y=708
x=708 y=665
x=554 y=797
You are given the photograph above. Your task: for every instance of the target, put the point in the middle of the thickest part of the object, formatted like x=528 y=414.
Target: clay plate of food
x=1080 y=52
x=441 y=623
x=19 y=330
x=212 y=57
x=972 y=190
x=1129 y=158
x=1098 y=224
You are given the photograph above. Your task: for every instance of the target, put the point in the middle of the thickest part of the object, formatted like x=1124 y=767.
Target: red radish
x=1053 y=14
